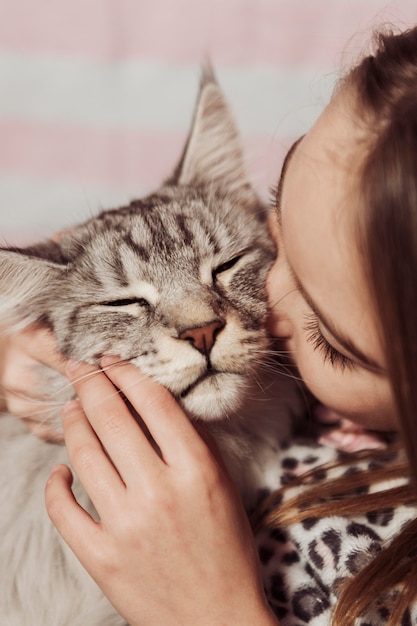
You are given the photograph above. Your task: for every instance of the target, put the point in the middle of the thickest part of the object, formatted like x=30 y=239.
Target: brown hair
x=384 y=85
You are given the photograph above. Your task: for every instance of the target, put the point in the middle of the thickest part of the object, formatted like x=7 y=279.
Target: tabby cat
x=174 y=283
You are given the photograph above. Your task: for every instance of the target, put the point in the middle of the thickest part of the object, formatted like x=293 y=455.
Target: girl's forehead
x=338 y=138
x=320 y=207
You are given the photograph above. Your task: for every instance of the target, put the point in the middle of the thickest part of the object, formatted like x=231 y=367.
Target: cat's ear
x=213 y=152
x=28 y=284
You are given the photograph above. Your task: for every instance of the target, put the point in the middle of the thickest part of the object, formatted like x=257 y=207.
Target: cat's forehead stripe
x=158 y=229
x=169 y=233
x=139 y=250
x=184 y=230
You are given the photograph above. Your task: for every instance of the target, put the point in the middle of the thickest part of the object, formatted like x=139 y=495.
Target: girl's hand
x=21 y=355
x=345 y=435
x=172 y=545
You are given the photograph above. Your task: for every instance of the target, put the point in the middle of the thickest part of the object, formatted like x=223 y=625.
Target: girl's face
x=320 y=304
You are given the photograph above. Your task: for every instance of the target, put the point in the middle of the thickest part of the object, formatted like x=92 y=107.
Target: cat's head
x=174 y=282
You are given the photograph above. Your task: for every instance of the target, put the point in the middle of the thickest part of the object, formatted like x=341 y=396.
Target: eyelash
x=273 y=196
x=320 y=343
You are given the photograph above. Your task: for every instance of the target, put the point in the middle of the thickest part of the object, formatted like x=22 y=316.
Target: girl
x=173 y=545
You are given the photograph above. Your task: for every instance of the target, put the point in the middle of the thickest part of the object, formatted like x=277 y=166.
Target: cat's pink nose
x=203 y=337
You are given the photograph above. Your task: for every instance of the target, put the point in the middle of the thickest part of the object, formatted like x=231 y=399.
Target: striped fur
x=174 y=283
x=133 y=280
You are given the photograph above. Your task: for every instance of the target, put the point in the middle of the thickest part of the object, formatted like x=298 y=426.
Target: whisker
x=115 y=364
x=281 y=298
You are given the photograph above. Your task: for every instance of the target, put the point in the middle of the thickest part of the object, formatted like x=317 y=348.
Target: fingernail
x=110 y=359
x=73 y=365
x=54 y=470
x=72 y=405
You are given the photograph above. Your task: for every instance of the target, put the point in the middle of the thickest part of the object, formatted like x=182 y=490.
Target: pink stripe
x=109 y=158
x=267 y=32
x=86 y=155
x=21 y=237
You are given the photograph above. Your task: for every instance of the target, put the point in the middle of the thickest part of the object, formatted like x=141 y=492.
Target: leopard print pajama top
x=303 y=564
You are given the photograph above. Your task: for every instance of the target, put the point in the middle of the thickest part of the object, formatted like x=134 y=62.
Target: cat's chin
x=214 y=397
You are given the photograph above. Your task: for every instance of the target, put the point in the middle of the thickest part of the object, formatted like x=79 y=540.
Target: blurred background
x=96 y=96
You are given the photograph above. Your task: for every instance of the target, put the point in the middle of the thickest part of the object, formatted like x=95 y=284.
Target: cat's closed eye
x=225 y=266
x=126 y=302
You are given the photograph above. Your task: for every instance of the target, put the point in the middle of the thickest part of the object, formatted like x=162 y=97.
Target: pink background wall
x=96 y=95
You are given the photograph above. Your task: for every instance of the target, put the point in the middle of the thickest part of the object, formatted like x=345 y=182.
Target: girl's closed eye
x=319 y=342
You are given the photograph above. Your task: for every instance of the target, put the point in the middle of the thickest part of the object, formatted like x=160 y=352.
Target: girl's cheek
x=350 y=393
x=332 y=386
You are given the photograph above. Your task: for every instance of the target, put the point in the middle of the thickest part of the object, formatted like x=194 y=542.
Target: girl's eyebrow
x=280 y=185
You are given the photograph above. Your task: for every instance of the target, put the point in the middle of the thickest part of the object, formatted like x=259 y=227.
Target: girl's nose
x=279 y=327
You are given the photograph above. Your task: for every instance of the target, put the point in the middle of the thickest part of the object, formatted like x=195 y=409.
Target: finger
x=352 y=441
x=22 y=405
x=93 y=467
x=167 y=422
x=38 y=344
x=74 y=524
x=114 y=424
x=19 y=380
x=25 y=352
x=44 y=431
